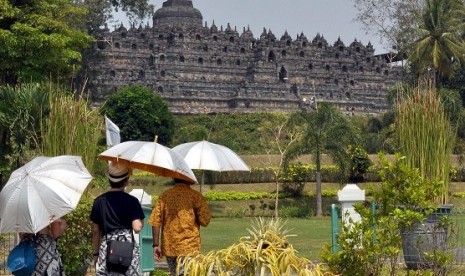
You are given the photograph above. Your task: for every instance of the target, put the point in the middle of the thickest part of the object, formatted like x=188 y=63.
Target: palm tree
x=440 y=46
x=326 y=131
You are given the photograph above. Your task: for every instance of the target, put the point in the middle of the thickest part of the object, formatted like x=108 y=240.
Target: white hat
x=118 y=172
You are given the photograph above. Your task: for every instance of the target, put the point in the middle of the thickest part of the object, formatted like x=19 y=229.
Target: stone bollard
x=348 y=196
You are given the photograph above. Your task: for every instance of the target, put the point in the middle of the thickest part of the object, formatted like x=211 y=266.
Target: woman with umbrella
x=48 y=258
x=116 y=214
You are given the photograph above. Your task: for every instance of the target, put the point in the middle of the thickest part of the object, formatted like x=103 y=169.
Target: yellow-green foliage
x=266 y=251
x=459 y=194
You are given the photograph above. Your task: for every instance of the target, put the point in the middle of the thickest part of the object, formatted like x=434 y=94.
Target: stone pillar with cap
x=348 y=197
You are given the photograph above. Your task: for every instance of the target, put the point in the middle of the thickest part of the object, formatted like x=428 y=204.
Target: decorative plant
x=265 y=252
x=406 y=198
x=404 y=192
x=403 y=202
x=425 y=135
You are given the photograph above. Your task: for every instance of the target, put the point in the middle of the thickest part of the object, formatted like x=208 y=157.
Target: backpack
x=22 y=258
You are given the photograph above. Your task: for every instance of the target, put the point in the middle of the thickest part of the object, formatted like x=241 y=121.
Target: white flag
x=112 y=133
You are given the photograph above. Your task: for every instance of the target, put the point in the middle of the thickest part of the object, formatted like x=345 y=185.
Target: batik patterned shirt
x=179 y=212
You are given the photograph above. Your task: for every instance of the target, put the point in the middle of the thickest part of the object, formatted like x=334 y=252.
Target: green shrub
x=359 y=163
x=295 y=212
x=140 y=114
x=75 y=245
x=293 y=178
x=231 y=195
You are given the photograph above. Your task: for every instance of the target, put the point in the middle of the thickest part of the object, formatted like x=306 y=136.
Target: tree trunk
x=319 y=209
x=276 y=212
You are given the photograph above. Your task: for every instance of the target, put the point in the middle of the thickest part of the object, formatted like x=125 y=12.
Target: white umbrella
x=143 y=197
x=151 y=157
x=204 y=155
x=43 y=190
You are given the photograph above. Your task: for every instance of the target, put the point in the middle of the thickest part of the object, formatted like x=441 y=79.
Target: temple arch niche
x=271 y=56
x=283 y=74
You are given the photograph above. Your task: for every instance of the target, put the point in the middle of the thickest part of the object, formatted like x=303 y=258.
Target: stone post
x=348 y=196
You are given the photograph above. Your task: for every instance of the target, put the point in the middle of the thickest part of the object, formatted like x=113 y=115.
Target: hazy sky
x=330 y=18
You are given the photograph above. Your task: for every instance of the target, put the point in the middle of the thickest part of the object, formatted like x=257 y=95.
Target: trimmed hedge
x=265 y=175
x=329 y=173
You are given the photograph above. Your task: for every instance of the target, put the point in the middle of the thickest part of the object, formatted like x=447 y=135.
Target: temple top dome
x=177 y=13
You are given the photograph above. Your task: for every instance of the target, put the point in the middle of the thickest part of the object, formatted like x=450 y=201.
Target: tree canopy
x=440 y=46
x=393 y=21
x=101 y=11
x=140 y=115
x=40 y=39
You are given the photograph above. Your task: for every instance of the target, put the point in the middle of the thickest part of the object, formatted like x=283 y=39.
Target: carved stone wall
x=199 y=69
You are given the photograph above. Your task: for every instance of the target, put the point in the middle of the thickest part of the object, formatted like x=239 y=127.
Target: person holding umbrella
x=177 y=216
x=48 y=258
x=116 y=214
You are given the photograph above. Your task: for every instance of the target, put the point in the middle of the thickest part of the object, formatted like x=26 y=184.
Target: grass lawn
x=311 y=234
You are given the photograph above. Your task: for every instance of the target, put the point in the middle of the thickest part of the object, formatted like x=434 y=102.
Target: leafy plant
x=403 y=186
x=265 y=252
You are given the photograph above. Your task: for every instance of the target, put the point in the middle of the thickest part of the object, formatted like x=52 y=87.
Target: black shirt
x=115 y=210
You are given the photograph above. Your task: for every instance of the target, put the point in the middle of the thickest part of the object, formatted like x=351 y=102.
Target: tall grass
x=71 y=127
x=425 y=134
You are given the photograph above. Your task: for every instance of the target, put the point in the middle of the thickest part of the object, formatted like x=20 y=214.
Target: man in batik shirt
x=178 y=214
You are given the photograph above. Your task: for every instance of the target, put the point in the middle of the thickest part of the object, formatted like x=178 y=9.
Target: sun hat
x=118 y=172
